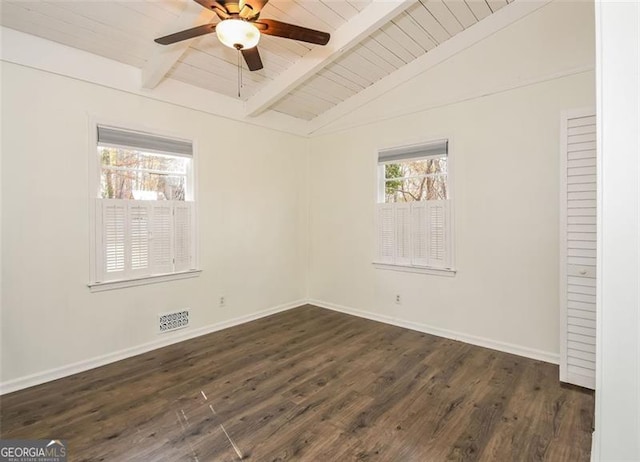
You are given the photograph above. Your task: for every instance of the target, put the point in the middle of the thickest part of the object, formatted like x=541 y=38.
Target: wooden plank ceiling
x=124 y=31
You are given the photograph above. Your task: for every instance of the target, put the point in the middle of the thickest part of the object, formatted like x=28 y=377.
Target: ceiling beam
x=29 y=51
x=344 y=38
x=164 y=57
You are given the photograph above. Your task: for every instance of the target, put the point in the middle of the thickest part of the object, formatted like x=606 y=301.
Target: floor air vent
x=173 y=321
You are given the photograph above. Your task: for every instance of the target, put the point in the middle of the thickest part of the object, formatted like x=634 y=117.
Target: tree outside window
x=130 y=174
x=416 y=180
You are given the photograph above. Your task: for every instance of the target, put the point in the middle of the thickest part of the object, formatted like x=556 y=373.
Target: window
x=413 y=210
x=130 y=174
x=144 y=215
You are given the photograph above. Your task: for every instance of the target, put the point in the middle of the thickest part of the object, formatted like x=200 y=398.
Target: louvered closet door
x=578 y=248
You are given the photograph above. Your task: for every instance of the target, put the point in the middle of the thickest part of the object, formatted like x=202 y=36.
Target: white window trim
x=132 y=282
x=94 y=189
x=379 y=182
x=450 y=272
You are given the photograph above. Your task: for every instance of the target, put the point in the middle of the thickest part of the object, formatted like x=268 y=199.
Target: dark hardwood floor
x=312 y=385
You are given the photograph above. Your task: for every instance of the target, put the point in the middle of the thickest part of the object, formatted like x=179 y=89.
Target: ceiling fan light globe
x=238 y=34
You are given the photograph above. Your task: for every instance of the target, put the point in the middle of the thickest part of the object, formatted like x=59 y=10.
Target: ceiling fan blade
x=252 y=58
x=186 y=34
x=282 y=29
x=250 y=9
x=216 y=7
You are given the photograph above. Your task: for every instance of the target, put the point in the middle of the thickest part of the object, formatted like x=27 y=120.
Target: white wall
x=254 y=238
x=617 y=434
x=505 y=158
x=252 y=223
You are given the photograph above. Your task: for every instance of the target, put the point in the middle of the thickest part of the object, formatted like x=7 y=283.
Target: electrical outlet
x=398 y=300
x=222 y=302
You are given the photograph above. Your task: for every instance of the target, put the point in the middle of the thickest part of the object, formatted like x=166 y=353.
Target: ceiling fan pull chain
x=239 y=73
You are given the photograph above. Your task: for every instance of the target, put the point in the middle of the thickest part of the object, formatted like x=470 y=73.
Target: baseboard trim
x=595 y=455
x=85 y=365
x=532 y=353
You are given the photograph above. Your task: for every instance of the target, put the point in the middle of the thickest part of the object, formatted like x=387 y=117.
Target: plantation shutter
x=386 y=233
x=419 y=235
x=161 y=238
x=437 y=223
x=139 y=228
x=414 y=233
x=403 y=234
x=143 y=238
x=183 y=243
x=113 y=238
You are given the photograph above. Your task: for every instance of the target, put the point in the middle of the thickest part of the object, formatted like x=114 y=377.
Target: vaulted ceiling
x=370 y=41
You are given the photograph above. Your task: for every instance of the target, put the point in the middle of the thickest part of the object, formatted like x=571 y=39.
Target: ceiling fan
x=240 y=28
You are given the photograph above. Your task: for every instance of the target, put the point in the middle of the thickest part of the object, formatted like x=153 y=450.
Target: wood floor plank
x=311 y=385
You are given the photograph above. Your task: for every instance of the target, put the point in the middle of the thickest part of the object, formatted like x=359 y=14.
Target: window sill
x=447 y=272
x=123 y=283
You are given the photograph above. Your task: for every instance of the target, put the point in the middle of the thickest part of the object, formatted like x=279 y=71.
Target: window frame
x=380 y=181
x=95 y=171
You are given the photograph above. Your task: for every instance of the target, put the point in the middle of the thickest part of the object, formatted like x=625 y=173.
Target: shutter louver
x=161 y=238
x=113 y=239
x=403 y=234
x=183 y=245
x=139 y=236
x=420 y=256
x=437 y=222
x=386 y=233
